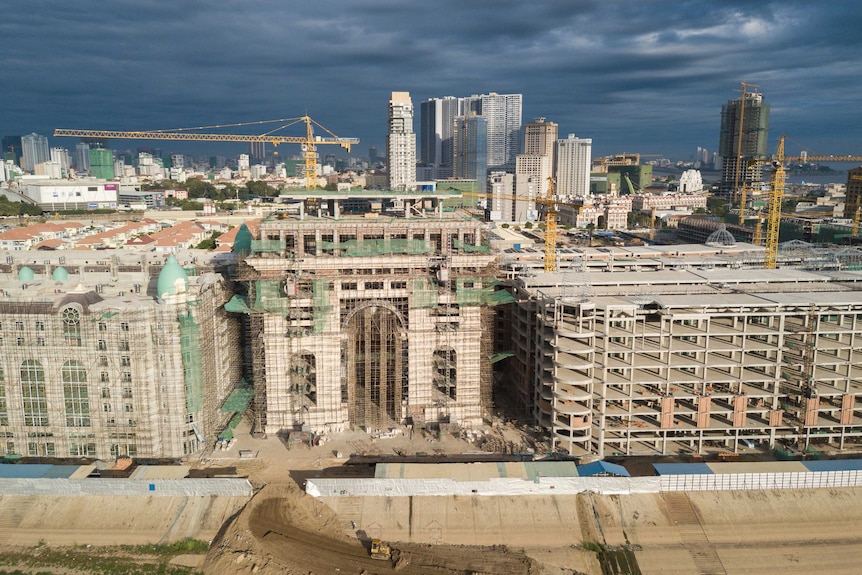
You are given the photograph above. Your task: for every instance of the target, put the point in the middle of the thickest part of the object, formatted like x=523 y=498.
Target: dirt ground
x=282 y=530
x=734 y=533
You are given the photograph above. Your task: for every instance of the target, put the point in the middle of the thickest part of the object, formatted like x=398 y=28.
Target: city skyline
x=647 y=77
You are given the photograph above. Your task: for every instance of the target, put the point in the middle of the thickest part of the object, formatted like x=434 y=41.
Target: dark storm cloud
x=648 y=75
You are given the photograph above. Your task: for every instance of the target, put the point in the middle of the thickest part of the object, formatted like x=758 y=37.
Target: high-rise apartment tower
x=574 y=157
x=34 y=150
x=744 y=135
x=436 y=122
x=401 y=143
x=503 y=112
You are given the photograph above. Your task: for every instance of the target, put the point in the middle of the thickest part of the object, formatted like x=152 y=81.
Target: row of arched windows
x=35 y=398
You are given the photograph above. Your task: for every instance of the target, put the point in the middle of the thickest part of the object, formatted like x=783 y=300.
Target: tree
x=209 y=243
x=260 y=188
x=201 y=189
x=717 y=206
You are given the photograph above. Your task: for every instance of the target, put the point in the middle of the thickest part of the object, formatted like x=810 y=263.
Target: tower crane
x=776 y=198
x=309 y=141
x=739 y=139
x=856 y=217
x=550 y=217
x=550 y=229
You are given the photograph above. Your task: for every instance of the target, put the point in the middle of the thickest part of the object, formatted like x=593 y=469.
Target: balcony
x=573 y=361
x=573 y=408
x=568 y=376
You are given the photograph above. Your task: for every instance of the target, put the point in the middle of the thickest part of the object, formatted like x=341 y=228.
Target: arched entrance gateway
x=374 y=364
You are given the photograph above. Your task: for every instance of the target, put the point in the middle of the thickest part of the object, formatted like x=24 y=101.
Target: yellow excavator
x=380 y=550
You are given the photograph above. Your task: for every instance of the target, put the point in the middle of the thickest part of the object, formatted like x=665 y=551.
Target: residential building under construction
x=366 y=321
x=662 y=357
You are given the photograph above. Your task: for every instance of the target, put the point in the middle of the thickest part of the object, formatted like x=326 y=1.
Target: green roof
x=60 y=274
x=242 y=241
x=26 y=274
x=169 y=275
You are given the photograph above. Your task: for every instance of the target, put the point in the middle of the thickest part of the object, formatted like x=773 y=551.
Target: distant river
x=837 y=176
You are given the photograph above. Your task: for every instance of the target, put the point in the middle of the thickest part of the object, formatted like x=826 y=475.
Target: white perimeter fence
x=574 y=485
x=226 y=487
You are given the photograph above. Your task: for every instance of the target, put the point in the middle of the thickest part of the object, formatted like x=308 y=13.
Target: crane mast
x=776 y=198
x=739 y=130
x=550 y=230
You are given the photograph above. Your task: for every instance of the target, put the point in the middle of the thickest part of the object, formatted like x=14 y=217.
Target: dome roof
x=242 y=240
x=60 y=274
x=169 y=275
x=26 y=274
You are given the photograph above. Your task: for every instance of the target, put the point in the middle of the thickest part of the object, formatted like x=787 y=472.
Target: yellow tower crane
x=550 y=229
x=856 y=217
x=551 y=204
x=739 y=130
x=776 y=198
x=776 y=195
x=309 y=141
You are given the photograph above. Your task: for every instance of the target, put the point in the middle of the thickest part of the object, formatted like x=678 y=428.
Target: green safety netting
x=190 y=348
x=237 y=304
x=228 y=431
x=481 y=291
x=375 y=247
x=501 y=356
x=269 y=296
x=239 y=398
x=471 y=249
x=424 y=294
x=322 y=306
x=258 y=246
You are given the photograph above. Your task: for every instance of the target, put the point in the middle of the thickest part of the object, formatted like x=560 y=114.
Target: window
x=128 y=408
x=71 y=319
x=103 y=377
x=19 y=325
x=446 y=372
x=127 y=377
x=19 y=341
x=75 y=394
x=81 y=445
x=124 y=326
x=33 y=393
x=101 y=345
x=125 y=361
x=106 y=392
x=40 y=326
x=40 y=341
x=103 y=326
x=373 y=285
x=124 y=345
x=40 y=444
x=103 y=361
x=399 y=285
x=106 y=407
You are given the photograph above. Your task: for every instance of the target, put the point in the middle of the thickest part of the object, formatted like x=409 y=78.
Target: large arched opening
x=375 y=365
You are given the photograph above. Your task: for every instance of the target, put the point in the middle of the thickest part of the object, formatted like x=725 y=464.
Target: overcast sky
x=633 y=75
